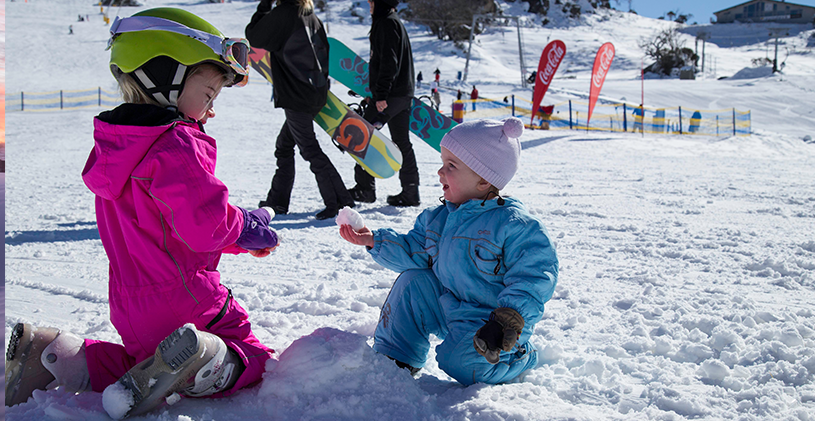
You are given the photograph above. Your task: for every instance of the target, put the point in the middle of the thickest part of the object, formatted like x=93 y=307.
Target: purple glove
x=256 y=234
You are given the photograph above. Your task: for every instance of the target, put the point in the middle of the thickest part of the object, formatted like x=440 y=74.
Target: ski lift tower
x=704 y=36
x=775 y=33
x=479 y=17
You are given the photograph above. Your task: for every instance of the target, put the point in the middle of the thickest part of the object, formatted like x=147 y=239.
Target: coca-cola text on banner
x=550 y=60
x=602 y=62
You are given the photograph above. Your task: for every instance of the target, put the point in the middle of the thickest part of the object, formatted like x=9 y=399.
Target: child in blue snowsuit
x=475 y=271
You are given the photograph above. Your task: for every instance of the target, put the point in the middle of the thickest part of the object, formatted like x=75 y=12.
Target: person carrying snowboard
x=164 y=220
x=475 y=271
x=391 y=82
x=298 y=45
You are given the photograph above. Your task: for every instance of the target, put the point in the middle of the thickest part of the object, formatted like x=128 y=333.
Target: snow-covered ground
x=687 y=263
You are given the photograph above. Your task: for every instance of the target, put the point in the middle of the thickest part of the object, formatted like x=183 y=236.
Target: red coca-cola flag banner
x=550 y=59
x=602 y=62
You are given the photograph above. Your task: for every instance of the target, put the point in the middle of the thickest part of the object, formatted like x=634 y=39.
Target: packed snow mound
x=332 y=374
x=753 y=72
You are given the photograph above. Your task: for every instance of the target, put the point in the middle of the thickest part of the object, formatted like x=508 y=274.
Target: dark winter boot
x=362 y=195
x=278 y=210
x=188 y=362
x=408 y=197
x=413 y=370
x=326 y=213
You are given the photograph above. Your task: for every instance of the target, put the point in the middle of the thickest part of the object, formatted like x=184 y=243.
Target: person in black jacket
x=298 y=44
x=391 y=79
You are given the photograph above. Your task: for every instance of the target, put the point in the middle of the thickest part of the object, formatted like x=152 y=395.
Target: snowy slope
x=687 y=264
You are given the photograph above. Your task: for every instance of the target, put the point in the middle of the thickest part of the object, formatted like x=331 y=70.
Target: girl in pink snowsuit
x=163 y=216
x=164 y=220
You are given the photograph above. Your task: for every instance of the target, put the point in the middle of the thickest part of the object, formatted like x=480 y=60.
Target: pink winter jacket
x=164 y=220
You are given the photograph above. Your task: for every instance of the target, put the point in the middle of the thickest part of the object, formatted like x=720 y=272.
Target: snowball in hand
x=348 y=216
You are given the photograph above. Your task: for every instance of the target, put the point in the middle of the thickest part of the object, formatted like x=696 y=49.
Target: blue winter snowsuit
x=457 y=265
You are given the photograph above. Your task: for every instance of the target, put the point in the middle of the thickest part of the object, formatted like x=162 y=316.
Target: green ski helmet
x=157 y=46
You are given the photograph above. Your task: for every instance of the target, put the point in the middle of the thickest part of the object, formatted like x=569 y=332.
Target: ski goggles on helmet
x=234 y=52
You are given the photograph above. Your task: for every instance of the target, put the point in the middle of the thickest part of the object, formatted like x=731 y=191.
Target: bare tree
x=683 y=17
x=668 y=52
x=447 y=19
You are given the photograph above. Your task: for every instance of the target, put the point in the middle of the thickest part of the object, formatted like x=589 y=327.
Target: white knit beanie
x=489 y=147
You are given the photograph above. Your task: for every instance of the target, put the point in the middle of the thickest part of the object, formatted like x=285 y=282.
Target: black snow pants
x=299 y=130
x=397 y=117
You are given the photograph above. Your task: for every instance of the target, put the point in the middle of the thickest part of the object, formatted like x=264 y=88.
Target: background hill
x=687 y=263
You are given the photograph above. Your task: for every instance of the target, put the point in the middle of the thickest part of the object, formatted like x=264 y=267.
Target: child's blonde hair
x=132 y=93
x=306 y=6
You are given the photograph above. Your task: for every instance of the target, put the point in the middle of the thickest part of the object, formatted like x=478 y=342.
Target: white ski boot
x=187 y=362
x=44 y=358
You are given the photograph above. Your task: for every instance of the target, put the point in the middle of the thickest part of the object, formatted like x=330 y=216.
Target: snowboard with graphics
x=352 y=71
x=375 y=152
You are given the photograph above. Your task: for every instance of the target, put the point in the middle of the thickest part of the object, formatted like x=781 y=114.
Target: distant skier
x=474 y=96
x=434 y=94
x=70 y=29
x=437 y=72
x=475 y=272
x=419 y=80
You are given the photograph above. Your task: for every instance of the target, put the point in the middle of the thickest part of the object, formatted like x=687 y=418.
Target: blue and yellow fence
x=61 y=100
x=71 y=100
x=620 y=117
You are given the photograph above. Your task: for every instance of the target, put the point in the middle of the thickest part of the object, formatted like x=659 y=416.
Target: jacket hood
x=383 y=9
x=122 y=138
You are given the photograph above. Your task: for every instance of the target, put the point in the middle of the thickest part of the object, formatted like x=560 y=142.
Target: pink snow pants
x=107 y=362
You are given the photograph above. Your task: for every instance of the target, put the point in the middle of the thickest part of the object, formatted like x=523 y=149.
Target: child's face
x=200 y=91
x=458 y=181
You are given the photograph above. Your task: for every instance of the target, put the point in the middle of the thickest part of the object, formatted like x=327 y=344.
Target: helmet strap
x=162 y=78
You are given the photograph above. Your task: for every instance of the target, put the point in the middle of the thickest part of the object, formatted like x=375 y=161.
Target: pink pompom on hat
x=489 y=147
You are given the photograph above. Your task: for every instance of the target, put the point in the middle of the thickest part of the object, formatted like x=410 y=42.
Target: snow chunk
x=551 y=353
x=791 y=338
x=173 y=399
x=714 y=371
x=809 y=246
x=348 y=216
x=117 y=400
